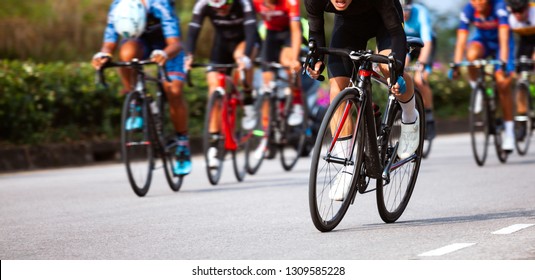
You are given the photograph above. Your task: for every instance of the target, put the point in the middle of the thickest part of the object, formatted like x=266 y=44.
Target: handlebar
x=478 y=63
x=135 y=63
x=315 y=52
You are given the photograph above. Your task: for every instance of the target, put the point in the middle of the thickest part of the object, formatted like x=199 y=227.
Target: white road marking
x=446 y=249
x=513 y=228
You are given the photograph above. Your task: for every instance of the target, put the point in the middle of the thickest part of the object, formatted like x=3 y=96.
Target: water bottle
x=154 y=107
x=490 y=93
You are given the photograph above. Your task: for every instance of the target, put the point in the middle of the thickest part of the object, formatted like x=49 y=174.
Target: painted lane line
x=446 y=249
x=513 y=228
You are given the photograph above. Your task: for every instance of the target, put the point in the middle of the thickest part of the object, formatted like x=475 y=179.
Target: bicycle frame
x=231 y=100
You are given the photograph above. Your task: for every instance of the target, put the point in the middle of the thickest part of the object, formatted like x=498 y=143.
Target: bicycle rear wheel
x=479 y=125
x=136 y=142
x=427 y=147
x=214 y=141
x=393 y=196
x=257 y=146
x=294 y=137
x=334 y=164
x=523 y=121
x=168 y=151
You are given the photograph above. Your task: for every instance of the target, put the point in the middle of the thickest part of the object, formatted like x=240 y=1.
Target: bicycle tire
x=479 y=125
x=215 y=140
x=327 y=213
x=393 y=197
x=294 y=137
x=167 y=152
x=428 y=143
x=258 y=143
x=523 y=120
x=136 y=147
x=498 y=130
x=241 y=136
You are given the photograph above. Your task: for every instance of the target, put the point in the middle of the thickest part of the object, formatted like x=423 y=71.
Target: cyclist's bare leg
x=421 y=81
x=177 y=105
x=129 y=50
x=503 y=83
x=268 y=77
x=213 y=84
x=337 y=84
x=475 y=51
x=288 y=59
x=240 y=52
x=404 y=97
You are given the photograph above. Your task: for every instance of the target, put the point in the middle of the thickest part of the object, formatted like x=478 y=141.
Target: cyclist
x=235 y=40
x=522 y=21
x=355 y=22
x=492 y=37
x=282 y=43
x=418 y=24
x=151 y=29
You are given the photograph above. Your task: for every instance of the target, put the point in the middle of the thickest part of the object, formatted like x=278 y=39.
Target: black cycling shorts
x=272 y=46
x=526 y=47
x=353 y=33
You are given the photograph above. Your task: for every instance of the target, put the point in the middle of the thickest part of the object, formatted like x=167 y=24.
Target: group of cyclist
x=236 y=40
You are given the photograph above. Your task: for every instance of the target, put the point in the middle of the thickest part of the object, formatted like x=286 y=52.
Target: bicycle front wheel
x=335 y=165
x=241 y=138
x=213 y=139
x=393 y=194
x=523 y=121
x=294 y=137
x=257 y=146
x=136 y=145
x=479 y=125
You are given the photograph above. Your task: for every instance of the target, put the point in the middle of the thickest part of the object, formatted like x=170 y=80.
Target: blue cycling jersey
x=486 y=25
x=161 y=18
x=419 y=23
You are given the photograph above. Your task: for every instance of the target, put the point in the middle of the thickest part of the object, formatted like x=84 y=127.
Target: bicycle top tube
x=524 y=61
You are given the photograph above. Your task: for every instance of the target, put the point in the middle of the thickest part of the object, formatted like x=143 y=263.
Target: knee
x=174 y=91
x=129 y=50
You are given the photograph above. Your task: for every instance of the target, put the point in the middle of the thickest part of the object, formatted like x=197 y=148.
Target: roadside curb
x=24 y=158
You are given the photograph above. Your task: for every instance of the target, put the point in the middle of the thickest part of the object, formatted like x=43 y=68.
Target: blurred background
x=47 y=89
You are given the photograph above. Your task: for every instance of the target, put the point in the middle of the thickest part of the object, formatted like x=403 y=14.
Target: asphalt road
x=456 y=212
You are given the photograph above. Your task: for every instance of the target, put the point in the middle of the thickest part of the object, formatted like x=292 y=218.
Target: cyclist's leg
x=503 y=81
x=249 y=119
x=130 y=49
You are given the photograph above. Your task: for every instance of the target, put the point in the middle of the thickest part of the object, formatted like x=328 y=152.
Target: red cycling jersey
x=278 y=16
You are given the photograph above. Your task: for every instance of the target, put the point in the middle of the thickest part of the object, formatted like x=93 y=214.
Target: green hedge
x=46 y=103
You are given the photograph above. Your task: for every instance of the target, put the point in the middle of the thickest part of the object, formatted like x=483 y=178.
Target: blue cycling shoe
x=133 y=123
x=182 y=165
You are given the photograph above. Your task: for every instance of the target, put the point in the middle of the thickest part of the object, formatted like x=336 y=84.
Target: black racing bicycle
x=524 y=115
x=273 y=131
x=144 y=134
x=484 y=116
x=355 y=145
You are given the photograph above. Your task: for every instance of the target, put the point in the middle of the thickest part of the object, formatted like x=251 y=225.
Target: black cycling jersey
x=367 y=19
x=239 y=24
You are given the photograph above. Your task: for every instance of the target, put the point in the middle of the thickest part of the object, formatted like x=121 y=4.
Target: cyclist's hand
x=453 y=73
x=158 y=56
x=400 y=87
x=188 y=60
x=100 y=59
x=295 y=65
x=244 y=63
x=316 y=72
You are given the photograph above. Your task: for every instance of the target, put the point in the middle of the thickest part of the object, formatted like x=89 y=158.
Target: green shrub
x=60 y=102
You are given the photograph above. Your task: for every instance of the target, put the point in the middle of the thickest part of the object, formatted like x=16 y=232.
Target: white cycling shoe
x=508 y=143
x=410 y=138
x=213 y=161
x=248 y=121
x=340 y=186
x=296 y=116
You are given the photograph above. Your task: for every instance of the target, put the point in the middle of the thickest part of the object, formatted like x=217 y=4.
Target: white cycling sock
x=409 y=114
x=473 y=84
x=509 y=128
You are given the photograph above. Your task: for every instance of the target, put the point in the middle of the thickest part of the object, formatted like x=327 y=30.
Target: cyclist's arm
x=108 y=47
x=296 y=36
x=462 y=37
x=525 y=31
x=170 y=26
x=249 y=25
x=316 y=23
x=389 y=13
x=503 y=34
x=194 y=27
